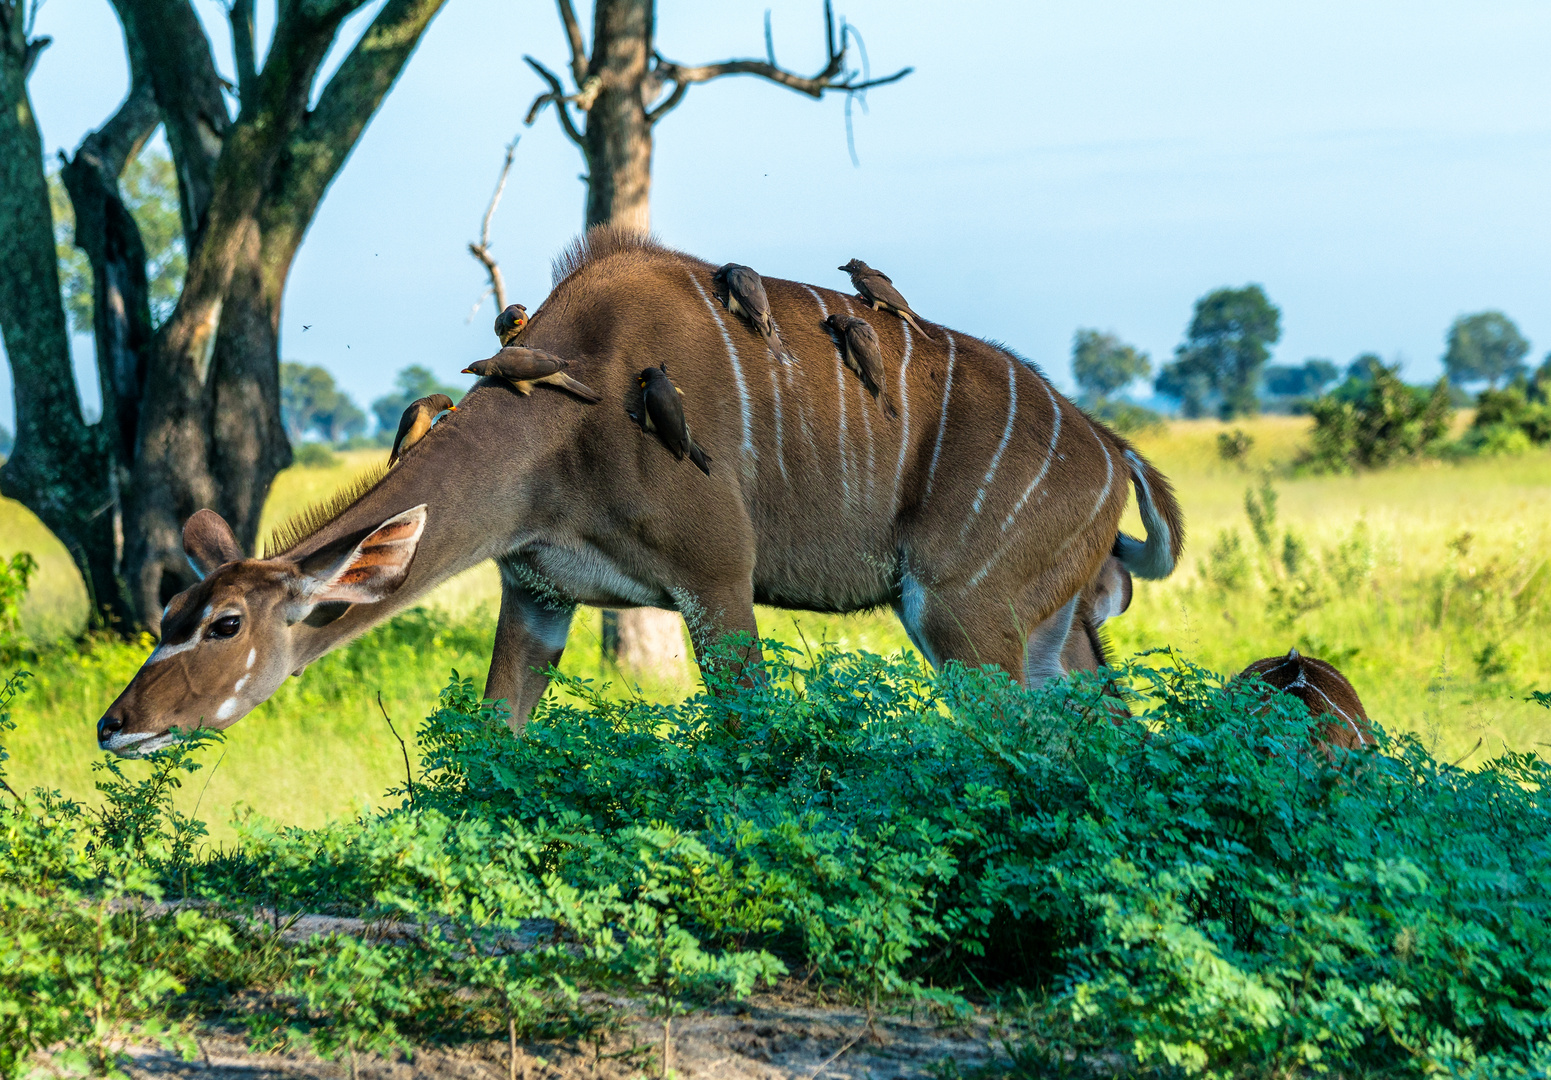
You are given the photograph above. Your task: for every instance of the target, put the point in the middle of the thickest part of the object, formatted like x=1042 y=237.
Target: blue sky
x=1379 y=168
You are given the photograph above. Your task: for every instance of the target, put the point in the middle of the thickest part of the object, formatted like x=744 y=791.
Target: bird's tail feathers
x=701 y=459
x=580 y=389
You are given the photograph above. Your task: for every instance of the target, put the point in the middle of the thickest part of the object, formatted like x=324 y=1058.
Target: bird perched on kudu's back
x=662 y=413
x=878 y=290
x=511 y=322
x=746 y=298
x=863 y=355
x=416 y=421
x=525 y=367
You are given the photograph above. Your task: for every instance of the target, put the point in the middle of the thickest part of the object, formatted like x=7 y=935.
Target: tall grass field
x=1427 y=584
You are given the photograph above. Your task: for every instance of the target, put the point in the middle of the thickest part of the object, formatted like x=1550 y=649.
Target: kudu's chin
x=136 y=744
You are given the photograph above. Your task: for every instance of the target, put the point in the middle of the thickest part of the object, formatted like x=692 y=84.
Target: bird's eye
x=226 y=626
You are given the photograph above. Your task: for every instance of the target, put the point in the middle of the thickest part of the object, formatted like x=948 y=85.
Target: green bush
x=1203 y=888
x=15 y=578
x=314 y=455
x=1382 y=422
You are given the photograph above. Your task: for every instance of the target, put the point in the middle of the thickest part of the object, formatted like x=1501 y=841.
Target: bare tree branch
x=832 y=77
x=241 y=18
x=35 y=49
x=573 y=33
x=557 y=95
x=480 y=249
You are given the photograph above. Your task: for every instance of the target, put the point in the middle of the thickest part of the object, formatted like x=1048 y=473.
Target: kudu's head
x=229 y=641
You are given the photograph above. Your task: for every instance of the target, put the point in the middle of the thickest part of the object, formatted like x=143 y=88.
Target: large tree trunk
x=59 y=467
x=618 y=145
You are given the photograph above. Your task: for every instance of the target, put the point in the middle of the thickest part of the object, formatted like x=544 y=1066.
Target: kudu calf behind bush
x=978 y=514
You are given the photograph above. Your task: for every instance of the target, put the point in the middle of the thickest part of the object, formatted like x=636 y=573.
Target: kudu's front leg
x=529 y=637
x=713 y=613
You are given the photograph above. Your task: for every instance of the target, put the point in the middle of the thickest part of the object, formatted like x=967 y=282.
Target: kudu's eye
x=226 y=626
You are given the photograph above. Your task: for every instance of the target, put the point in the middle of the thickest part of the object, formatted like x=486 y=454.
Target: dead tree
x=621 y=92
x=191 y=409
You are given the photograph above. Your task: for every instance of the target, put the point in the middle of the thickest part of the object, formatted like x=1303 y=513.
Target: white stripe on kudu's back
x=840 y=387
x=737 y=370
x=942 y=424
x=864 y=398
x=1109 y=481
x=904 y=412
x=1050 y=455
x=1001 y=448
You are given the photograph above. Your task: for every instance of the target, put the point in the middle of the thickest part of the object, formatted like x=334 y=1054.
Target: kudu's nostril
x=108 y=725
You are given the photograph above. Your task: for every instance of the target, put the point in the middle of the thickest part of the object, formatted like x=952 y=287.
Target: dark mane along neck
x=310 y=520
x=603 y=241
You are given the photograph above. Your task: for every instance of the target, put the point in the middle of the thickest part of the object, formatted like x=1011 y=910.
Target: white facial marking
x=237 y=689
x=942 y=424
x=750 y=454
x=252 y=656
x=1001 y=448
x=164 y=652
x=228 y=707
x=904 y=412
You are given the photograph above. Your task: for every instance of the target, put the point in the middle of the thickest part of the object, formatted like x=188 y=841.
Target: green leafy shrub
x=314 y=455
x=1510 y=420
x=15 y=578
x=1388 y=422
x=1202 y=888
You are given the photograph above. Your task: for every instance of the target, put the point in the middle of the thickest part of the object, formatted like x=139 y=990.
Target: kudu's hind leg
x=969 y=627
x=530 y=635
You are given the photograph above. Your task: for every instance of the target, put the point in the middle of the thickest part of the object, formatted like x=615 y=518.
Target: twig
x=1467 y=753
x=409 y=779
x=480 y=249
x=814 y=1075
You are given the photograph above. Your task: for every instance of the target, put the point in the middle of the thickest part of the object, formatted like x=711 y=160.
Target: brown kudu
x=979 y=514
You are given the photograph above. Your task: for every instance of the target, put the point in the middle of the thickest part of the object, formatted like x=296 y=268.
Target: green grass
x=1454 y=670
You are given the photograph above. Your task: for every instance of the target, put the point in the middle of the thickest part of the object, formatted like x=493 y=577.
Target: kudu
x=979 y=514
x=1332 y=701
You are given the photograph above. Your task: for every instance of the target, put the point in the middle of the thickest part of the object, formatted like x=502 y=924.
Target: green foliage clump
x=1486 y=346
x=1203 y=888
x=311 y=403
x=1513 y=419
x=15 y=578
x=1388 y=422
x=314 y=455
x=1226 y=346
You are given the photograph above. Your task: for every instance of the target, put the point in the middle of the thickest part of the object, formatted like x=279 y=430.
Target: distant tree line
x=1223 y=367
x=312 y=406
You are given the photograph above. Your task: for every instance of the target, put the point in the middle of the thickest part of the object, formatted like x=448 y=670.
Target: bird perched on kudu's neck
x=510 y=323
x=746 y=298
x=662 y=413
x=416 y=421
x=878 y=290
x=524 y=368
x=863 y=355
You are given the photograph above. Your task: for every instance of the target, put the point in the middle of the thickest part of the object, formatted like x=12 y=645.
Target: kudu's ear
x=371 y=570
x=209 y=542
x=1111 y=591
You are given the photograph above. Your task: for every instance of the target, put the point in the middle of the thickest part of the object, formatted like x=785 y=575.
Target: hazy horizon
x=1379 y=171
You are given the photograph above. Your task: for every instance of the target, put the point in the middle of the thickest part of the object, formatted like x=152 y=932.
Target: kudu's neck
x=477 y=491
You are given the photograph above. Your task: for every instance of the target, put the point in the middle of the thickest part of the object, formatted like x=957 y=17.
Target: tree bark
x=617 y=143
x=59 y=467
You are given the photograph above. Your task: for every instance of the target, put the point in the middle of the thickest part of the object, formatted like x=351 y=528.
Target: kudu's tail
x=1156 y=556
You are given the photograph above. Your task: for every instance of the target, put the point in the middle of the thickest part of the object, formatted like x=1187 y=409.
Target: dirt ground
x=783 y=1035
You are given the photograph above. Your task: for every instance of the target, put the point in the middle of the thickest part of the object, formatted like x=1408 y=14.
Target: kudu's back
x=987 y=502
